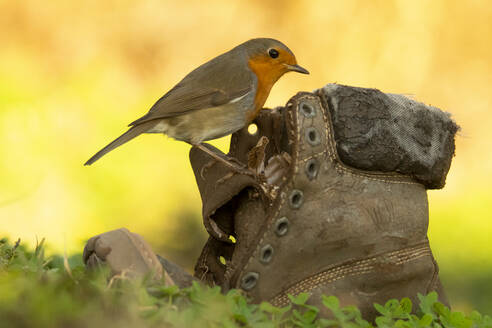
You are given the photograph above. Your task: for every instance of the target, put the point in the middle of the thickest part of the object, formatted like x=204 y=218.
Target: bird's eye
x=273 y=53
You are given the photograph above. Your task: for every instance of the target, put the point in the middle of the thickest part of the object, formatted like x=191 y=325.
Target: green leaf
x=383 y=321
x=406 y=305
x=309 y=316
x=486 y=321
x=331 y=302
x=170 y=290
x=475 y=316
x=361 y=322
x=267 y=307
x=300 y=299
x=426 y=302
x=441 y=310
x=392 y=304
x=351 y=312
x=402 y=324
x=383 y=310
x=329 y=323
x=458 y=319
x=426 y=320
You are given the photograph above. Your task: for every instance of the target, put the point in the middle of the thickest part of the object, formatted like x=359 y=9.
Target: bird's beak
x=297 y=68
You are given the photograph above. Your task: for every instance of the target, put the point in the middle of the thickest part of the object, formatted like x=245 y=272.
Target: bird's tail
x=124 y=138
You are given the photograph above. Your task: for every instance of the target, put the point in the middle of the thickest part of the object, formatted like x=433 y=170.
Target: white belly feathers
x=198 y=126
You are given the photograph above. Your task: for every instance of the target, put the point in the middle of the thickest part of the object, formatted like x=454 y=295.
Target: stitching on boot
x=313 y=156
x=294 y=125
x=146 y=255
x=328 y=148
x=295 y=167
x=360 y=267
x=435 y=276
x=203 y=259
x=139 y=245
x=283 y=197
x=330 y=143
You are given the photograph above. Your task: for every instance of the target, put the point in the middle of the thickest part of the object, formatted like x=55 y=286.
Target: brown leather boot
x=308 y=222
x=128 y=255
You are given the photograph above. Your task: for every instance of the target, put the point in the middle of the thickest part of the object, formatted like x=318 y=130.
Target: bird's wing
x=212 y=84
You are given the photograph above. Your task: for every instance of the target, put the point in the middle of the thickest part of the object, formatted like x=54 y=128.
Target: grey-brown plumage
x=216 y=99
x=125 y=137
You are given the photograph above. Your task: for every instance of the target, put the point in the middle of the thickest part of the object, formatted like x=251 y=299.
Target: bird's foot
x=235 y=161
x=205 y=168
x=230 y=162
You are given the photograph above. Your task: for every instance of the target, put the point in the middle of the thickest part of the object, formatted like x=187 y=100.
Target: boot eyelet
x=312 y=136
x=252 y=129
x=296 y=198
x=307 y=109
x=266 y=254
x=222 y=260
x=249 y=280
x=312 y=168
x=282 y=226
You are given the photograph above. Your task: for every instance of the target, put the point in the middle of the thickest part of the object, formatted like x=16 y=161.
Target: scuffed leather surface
x=218 y=185
x=178 y=275
x=377 y=131
x=126 y=253
x=347 y=217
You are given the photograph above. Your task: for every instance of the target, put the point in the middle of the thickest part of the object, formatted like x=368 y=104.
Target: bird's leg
x=234 y=160
x=205 y=167
x=236 y=167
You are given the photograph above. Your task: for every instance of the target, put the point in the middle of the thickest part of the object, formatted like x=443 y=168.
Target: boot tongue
x=265 y=152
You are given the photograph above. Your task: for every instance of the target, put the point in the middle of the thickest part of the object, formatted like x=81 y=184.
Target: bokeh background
x=74 y=73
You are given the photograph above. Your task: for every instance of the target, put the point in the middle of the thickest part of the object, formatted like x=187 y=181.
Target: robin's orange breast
x=266 y=75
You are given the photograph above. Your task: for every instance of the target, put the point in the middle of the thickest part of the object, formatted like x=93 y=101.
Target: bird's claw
x=236 y=161
x=225 y=178
x=205 y=168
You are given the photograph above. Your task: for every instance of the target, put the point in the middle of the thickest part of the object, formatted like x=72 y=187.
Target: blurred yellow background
x=73 y=74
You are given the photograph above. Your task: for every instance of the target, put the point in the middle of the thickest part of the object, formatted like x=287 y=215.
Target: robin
x=218 y=98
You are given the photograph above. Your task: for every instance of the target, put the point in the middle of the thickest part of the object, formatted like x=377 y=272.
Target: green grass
x=36 y=291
